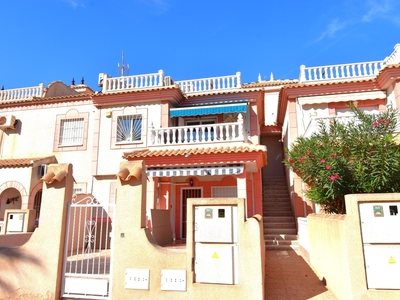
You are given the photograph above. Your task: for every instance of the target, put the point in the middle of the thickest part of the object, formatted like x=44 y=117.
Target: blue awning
x=208 y=110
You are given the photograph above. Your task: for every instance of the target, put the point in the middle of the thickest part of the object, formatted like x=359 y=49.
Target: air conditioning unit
x=42 y=170
x=7 y=122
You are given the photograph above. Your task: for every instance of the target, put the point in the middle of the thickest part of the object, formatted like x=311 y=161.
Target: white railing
x=342 y=71
x=210 y=84
x=22 y=93
x=142 y=81
x=315 y=122
x=348 y=71
x=199 y=134
x=394 y=57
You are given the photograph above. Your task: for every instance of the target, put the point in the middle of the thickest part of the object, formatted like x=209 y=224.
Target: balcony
x=22 y=93
x=315 y=122
x=211 y=84
x=199 y=134
x=362 y=70
x=153 y=80
x=125 y=83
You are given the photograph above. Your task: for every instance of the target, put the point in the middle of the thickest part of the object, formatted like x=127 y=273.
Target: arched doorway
x=9 y=199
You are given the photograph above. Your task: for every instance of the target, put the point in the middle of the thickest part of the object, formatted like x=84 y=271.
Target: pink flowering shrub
x=360 y=156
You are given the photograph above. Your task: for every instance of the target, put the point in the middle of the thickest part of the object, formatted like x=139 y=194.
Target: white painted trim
x=196 y=171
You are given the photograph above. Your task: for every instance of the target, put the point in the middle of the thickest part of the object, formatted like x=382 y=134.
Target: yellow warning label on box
x=391 y=260
x=215 y=255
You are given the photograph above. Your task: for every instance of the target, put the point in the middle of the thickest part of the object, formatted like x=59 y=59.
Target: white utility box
x=216 y=263
x=15 y=222
x=380 y=222
x=215 y=224
x=216 y=244
x=380 y=231
x=382 y=265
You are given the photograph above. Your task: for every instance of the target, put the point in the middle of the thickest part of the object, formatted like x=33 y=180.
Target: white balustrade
x=340 y=72
x=22 y=93
x=315 y=123
x=198 y=134
x=394 y=57
x=210 y=84
x=116 y=84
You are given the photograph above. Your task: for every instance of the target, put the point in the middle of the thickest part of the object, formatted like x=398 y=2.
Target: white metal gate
x=86 y=272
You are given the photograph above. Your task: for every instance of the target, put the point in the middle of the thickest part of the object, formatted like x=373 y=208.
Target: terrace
x=158 y=79
x=362 y=70
x=22 y=93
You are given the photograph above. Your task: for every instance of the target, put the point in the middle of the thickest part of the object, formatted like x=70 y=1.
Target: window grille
x=129 y=128
x=71 y=132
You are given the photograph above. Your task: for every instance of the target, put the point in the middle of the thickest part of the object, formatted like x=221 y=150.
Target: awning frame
x=208 y=110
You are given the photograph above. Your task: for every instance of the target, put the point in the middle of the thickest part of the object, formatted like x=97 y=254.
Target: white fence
x=210 y=84
x=212 y=133
x=22 y=93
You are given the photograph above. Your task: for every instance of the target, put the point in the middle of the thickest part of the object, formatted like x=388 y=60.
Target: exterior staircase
x=280 y=230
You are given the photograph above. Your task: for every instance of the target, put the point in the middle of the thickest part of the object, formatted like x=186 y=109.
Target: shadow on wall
x=9 y=258
x=300 y=206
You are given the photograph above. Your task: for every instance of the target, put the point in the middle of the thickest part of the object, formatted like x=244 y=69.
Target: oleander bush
x=357 y=156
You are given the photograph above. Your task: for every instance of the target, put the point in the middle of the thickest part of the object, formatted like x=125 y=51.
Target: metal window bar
x=129 y=128
x=71 y=132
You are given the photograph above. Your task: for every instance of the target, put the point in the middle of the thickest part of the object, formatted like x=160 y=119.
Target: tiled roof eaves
x=142 y=90
x=22 y=162
x=43 y=100
x=276 y=83
x=193 y=151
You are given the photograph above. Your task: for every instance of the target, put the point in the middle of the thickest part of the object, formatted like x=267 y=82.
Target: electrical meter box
x=380 y=222
x=15 y=222
x=380 y=231
x=216 y=244
x=215 y=224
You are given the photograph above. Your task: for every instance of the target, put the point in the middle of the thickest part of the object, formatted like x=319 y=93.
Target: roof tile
x=192 y=151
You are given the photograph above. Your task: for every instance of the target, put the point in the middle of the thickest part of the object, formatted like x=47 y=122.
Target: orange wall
x=206 y=193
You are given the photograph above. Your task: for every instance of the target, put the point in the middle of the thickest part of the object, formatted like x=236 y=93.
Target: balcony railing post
x=302 y=76
x=160 y=78
x=240 y=127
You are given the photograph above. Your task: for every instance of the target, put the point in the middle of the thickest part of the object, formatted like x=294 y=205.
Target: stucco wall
x=134 y=248
x=31 y=263
x=336 y=250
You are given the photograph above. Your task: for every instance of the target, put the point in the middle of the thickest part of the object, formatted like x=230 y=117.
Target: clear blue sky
x=48 y=40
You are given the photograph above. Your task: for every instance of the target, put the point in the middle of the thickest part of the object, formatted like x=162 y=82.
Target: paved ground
x=289 y=277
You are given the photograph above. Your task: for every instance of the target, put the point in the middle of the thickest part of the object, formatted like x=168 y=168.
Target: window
x=71 y=132
x=129 y=128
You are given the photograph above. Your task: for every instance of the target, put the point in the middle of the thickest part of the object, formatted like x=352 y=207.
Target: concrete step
x=290 y=225
x=276 y=204
x=277 y=213
x=278 y=219
x=269 y=197
x=280 y=237
x=282 y=247
x=282 y=242
x=280 y=231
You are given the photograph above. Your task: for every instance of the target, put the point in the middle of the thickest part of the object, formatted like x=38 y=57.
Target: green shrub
x=359 y=156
